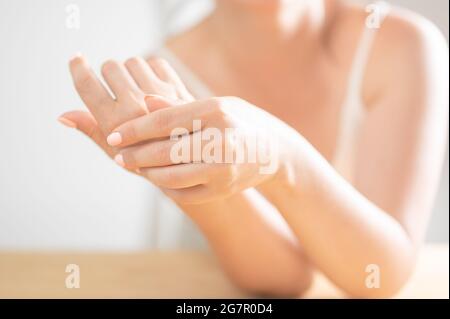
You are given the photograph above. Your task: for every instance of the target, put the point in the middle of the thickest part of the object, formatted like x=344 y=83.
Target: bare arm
x=342 y=228
x=383 y=218
x=252 y=241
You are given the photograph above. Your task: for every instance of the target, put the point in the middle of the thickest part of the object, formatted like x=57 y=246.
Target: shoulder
x=404 y=32
x=407 y=49
x=408 y=53
x=404 y=27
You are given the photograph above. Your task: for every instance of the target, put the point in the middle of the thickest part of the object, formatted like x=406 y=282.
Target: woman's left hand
x=203 y=150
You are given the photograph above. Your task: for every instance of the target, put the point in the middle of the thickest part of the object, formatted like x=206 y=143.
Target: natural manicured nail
x=114 y=139
x=67 y=122
x=76 y=55
x=119 y=160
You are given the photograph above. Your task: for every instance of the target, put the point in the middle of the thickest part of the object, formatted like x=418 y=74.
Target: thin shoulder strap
x=378 y=12
x=353 y=108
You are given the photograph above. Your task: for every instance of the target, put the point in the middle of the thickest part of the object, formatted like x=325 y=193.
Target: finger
x=144 y=76
x=85 y=122
x=163 y=70
x=158 y=153
x=190 y=148
x=167 y=73
x=153 y=103
x=120 y=81
x=165 y=122
x=91 y=90
x=178 y=176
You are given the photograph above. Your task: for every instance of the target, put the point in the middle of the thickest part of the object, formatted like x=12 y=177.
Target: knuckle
x=105 y=102
x=85 y=83
x=161 y=121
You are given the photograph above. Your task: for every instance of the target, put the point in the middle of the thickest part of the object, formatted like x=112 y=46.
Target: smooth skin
x=256 y=234
x=327 y=222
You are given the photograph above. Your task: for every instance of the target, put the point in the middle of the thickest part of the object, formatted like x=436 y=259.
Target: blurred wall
x=48 y=196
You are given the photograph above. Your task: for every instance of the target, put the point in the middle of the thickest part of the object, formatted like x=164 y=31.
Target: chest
x=309 y=99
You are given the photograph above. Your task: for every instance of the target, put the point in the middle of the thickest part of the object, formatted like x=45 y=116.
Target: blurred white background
x=57 y=190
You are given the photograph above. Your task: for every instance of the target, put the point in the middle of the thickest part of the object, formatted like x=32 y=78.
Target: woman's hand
x=203 y=150
x=131 y=83
x=232 y=145
x=254 y=245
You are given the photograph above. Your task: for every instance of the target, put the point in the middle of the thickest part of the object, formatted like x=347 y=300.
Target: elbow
x=383 y=292
x=392 y=278
x=275 y=286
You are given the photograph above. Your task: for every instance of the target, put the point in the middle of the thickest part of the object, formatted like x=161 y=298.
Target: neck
x=274 y=22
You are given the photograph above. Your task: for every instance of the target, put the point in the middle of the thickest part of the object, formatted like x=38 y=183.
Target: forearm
x=341 y=231
x=253 y=243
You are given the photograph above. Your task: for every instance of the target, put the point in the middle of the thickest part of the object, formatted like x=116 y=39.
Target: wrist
x=284 y=179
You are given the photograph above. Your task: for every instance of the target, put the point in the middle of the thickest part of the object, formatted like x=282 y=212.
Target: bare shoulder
x=401 y=29
x=408 y=51
x=405 y=31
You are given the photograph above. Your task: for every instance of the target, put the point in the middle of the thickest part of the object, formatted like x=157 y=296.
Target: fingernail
x=114 y=139
x=67 y=122
x=119 y=160
x=76 y=55
x=153 y=96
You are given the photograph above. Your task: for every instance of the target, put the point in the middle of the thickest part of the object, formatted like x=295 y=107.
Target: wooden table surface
x=171 y=275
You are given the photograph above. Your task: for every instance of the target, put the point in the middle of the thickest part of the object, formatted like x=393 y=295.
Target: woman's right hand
x=139 y=87
x=245 y=232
